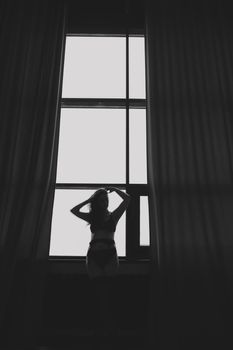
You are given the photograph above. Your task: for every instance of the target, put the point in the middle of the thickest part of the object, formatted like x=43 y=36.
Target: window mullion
x=86 y=186
x=127 y=109
x=128 y=225
x=103 y=103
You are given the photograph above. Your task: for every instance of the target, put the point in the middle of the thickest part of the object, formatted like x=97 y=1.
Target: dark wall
x=105 y=16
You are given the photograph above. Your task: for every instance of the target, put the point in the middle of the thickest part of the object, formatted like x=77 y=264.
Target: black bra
x=108 y=225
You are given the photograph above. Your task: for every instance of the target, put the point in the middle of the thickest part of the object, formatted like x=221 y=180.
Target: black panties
x=101 y=256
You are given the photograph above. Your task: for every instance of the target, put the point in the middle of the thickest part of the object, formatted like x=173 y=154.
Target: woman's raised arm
x=118 y=212
x=76 y=210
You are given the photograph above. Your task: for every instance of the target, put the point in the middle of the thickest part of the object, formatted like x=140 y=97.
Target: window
x=102 y=140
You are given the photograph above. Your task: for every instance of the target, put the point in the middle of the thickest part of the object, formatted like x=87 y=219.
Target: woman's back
x=107 y=225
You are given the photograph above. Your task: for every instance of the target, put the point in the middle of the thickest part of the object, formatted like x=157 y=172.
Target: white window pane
x=91 y=146
x=144 y=221
x=70 y=235
x=136 y=67
x=137 y=146
x=94 y=67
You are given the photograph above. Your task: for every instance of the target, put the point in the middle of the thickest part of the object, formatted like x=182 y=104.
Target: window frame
x=132 y=231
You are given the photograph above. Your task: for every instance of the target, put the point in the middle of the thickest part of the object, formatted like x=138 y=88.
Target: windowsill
x=77 y=265
x=83 y=258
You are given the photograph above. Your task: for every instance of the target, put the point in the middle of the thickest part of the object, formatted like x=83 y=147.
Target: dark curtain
x=31 y=41
x=190 y=126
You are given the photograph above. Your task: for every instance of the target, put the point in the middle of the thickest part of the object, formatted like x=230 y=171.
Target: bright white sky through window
x=137 y=87
x=94 y=67
x=137 y=146
x=144 y=221
x=91 y=146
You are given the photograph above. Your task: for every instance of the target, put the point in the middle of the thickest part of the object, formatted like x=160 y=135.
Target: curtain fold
x=190 y=87
x=31 y=40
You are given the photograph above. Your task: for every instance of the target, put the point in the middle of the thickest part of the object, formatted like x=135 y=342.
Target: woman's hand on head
x=110 y=189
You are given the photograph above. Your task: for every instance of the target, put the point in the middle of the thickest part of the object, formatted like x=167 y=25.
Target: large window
x=102 y=140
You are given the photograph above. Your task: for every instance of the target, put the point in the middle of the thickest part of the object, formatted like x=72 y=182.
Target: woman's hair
x=96 y=213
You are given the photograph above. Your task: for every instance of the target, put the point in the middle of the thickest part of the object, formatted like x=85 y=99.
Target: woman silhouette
x=102 y=260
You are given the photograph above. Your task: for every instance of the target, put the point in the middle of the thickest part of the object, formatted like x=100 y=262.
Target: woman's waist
x=102 y=234
x=102 y=242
